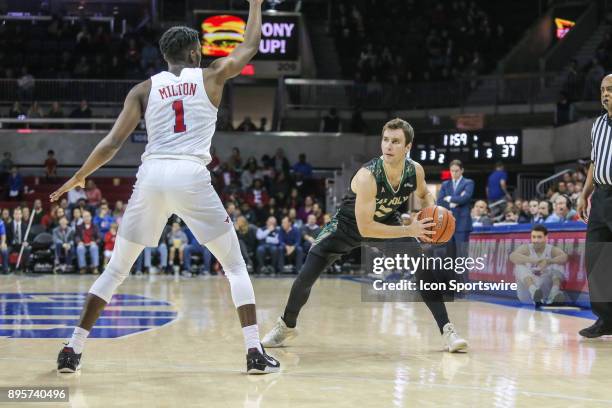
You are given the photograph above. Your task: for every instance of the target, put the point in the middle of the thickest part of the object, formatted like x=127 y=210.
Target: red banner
x=495 y=249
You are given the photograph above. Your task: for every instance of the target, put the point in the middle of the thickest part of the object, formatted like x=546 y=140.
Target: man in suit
x=456 y=195
x=16 y=235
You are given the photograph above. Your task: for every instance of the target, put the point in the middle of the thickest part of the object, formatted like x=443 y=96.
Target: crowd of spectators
x=85 y=49
x=415 y=40
x=558 y=205
x=276 y=209
x=22 y=111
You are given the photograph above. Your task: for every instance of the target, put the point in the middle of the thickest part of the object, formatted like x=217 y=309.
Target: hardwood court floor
x=348 y=354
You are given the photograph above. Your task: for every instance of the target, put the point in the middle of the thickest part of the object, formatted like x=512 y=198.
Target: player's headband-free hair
x=398 y=123
x=176 y=41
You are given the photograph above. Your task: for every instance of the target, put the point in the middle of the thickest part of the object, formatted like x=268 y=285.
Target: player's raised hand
x=421 y=229
x=69 y=185
x=581 y=209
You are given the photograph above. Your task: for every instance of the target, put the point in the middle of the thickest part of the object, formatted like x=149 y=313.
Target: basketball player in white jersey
x=180 y=110
x=538 y=269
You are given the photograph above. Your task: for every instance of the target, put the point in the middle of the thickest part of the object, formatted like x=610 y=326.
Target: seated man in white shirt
x=539 y=270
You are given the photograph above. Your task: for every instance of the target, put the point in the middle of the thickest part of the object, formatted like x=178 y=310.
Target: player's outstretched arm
x=364 y=186
x=427 y=199
x=228 y=67
x=109 y=146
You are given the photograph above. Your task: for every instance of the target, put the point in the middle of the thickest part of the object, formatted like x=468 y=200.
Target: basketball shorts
x=167 y=186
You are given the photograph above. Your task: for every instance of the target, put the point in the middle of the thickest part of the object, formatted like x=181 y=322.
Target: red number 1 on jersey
x=179 y=114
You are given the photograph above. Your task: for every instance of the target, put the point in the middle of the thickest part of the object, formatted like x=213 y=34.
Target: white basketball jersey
x=180 y=118
x=546 y=254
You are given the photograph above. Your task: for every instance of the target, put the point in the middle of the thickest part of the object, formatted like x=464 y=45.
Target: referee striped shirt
x=601 y=150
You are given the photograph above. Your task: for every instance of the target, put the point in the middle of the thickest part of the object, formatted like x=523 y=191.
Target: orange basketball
x=445 y=223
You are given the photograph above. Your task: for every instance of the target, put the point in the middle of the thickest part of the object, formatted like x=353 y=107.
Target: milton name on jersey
x=185 y=89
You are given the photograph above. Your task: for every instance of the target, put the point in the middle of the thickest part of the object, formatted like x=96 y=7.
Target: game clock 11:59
x=484 y=146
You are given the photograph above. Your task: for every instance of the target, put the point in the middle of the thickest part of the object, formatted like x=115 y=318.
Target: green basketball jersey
x=388 y=200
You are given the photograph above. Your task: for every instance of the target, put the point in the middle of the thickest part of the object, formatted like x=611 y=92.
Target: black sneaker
x=597 y=329
x=68 y=361
x=538 y=295
x=261 y=363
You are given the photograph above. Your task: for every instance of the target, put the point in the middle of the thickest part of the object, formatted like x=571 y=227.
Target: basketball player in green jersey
x=370 y=211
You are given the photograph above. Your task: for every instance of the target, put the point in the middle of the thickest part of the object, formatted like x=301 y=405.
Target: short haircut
x=540 y=228
x=456 y=163
x=175 y=43
x=398 y=123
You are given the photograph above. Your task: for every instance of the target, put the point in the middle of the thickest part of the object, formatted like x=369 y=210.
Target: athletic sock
x=532 y=290
x=251 y=337
x=77 y=341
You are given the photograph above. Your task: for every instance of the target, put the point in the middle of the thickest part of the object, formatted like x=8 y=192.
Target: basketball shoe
x=452 y=341
x=279 y=334
x=68 y=361
x=261 y=363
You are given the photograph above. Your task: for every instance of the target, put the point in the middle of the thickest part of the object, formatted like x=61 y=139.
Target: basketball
x=445 y=223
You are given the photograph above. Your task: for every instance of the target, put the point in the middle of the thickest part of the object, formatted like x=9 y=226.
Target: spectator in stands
x=25 y=211
x=194 y=247
x=269 y=242
x=305 y=210
x=280 y=162
x=257 y=195
x=310 y=231
x=50 y=165
x=358 y=125
x=544 y=210
x=15 y=184
x=38 y=213
x=149 y=56
x=63 y=240
x=534 y=212
x=562 y=210
x=51 y=220
x=25 y=85
x=16 y=236
x=235 y=160
x=247 y=237
x=290 y=240
x=35 y=112
x=103 y=220
x=293 y=219
x=572 y=84
x=3 y=248
x=331 y=123
x=87 y=237
x=250 y=174
x=564 y=111
x=247 y=125
x=94 y=195
x=109 y=243
x=263 y=123
x=6 y=216
x=5 y=167
x=118 y=211
x=303 y=167
x=82 y=112
x=177 y=239
x=280 y=187
x=56 y=112
x=511 y=216
x=497 y=184
x=16 y=111
x=75 y=195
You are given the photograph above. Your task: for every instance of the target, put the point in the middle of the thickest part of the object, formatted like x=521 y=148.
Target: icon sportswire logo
x=54 y=315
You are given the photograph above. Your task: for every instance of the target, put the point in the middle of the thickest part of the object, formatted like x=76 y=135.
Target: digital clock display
x=468 y=146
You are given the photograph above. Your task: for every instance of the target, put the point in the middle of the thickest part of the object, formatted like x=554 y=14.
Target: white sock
x=77 y=342
x=251 y=337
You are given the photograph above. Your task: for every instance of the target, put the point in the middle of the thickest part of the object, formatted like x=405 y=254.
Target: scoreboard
x=279 y=52
x=473 y=147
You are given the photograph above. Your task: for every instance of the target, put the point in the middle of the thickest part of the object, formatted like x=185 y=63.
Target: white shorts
x=173 y=186
x=543 y=281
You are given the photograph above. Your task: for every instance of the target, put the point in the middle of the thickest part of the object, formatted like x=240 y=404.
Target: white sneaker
x=452 y=341
x=279 y=334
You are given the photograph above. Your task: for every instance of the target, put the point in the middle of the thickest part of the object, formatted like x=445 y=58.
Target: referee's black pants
x=599 y=253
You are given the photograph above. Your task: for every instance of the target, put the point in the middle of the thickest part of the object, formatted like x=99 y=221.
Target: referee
x=599 y=220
